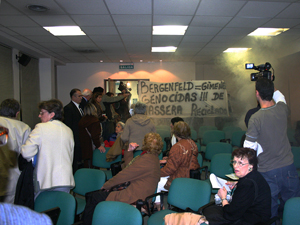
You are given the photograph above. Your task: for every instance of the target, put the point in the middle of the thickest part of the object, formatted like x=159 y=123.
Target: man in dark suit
x=86 y=96
x=72 y=115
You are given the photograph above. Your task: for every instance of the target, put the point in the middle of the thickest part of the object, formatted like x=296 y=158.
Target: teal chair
x=194 y=134
x=229 y=131
x=203 y=129
x=220 y=166
x=163 y=133
x=99 y=160
x=211 y=136
x=184 y=193
x=86 y=180
x=116 y=213
x=51 y=199
x=237 y=138
x=291 y=213
x=214 y=148
x=163 y=127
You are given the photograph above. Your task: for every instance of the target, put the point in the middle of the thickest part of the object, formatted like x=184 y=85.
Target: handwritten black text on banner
x=205 y=98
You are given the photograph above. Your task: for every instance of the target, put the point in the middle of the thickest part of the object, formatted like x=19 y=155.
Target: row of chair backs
x=296 y=153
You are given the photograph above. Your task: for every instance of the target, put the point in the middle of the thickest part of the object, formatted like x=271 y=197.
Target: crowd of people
x=65 y=139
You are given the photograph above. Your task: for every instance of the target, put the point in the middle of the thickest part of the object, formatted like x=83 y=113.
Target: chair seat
x=158 y=217
x=80 y=205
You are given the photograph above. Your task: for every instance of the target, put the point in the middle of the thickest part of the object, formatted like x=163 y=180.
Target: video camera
x=264 y=71
x=123 y=86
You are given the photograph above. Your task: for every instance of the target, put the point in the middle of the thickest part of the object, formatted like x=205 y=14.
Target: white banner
x=205 y=98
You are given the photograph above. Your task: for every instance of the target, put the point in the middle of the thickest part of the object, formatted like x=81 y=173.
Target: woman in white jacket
x=51 y=144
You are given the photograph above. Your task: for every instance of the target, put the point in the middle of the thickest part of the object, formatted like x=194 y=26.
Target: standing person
x=105 y=106
x=136 y=128
x=72 y=115
x=18 y=134
x=51 y=141
x=86 y=96
x=90 y=134
x=267 y=134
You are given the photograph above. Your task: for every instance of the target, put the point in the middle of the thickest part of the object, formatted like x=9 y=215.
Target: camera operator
x=267 y=134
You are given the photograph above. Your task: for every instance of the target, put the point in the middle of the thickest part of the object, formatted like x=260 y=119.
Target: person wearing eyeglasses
x=251 y=199
x=51 y=144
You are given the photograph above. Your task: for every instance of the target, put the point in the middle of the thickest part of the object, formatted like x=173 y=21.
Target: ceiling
x=121 y=29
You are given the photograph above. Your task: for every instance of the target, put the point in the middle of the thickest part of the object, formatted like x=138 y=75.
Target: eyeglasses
x=240 y=164
x=42 y=113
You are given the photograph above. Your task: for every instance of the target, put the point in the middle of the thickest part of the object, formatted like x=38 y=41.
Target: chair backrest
x=296 y=153
x=99 y=159
x=291 y=136
x=187 y=192
x=212 y=136
x=163 y=127
x=51 y=199
x=202 y=130
x=291 y=213
x=163 y=133
x=116 y=213
x=229 y=130
x=87 y=180
x=194 y=134
x=200 y=159
x=214 y=148
x=237 y=137
x=220 y=165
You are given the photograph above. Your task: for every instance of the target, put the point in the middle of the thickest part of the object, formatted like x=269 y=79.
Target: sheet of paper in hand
x=217 y=182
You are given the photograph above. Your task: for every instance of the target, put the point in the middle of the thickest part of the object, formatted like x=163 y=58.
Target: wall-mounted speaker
x=24 y=59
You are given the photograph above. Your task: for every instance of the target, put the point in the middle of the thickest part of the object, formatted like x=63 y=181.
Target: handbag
x=116 y=168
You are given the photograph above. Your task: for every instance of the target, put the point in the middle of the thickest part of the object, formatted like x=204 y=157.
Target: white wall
x=90 y=75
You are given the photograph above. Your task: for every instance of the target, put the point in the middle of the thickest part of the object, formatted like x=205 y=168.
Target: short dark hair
x=176 y=119
x=73 y=91
x=98 y=89
x=265 y=88
x=9 y=108
x=53 y=105
x=182 y=130
x=247 y=153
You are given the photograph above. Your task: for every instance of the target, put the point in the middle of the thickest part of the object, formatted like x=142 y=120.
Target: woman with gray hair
x=136 y=128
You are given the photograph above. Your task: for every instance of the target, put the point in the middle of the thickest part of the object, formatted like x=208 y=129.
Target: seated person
x=118 y=131
x=182 y=158
x=251 y=200
x=142 y=172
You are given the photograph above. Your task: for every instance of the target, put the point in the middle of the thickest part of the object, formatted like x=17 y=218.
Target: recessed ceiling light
x=101 y=60
x=169 y=30
x=268 y=31
x=121 y=60
x=65 y=30
x=37 y=8
x=164 y=49
x=237 y=49
x=141 y=60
